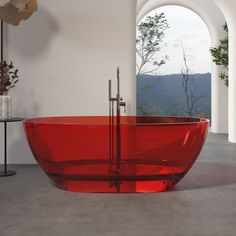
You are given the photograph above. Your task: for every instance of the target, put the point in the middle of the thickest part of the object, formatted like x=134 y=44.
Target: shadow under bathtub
x=208 y=174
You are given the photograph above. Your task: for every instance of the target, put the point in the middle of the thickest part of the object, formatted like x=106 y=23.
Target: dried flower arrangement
x=8 y=77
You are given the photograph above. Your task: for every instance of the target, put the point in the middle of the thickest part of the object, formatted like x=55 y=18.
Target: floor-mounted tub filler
x=116 y=154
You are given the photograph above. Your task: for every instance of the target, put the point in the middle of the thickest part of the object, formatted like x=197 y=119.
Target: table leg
x=6 y=172
x=5 y=148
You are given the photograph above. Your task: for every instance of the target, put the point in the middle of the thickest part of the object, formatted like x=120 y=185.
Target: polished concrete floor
x=204 y=203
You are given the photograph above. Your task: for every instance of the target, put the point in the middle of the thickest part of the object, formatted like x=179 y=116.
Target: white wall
x=66 y=52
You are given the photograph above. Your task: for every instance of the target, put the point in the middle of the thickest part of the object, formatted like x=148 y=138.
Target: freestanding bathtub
x=77 y=154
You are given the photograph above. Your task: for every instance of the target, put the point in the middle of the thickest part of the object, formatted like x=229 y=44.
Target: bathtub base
x=133 y=178
x=108 y=187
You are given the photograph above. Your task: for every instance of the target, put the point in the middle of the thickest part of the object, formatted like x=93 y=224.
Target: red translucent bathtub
x=78 y=155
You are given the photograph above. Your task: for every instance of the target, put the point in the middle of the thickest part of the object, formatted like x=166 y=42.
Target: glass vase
x=5 y=107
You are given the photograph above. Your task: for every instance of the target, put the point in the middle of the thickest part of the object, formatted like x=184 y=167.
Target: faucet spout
x=118 y=99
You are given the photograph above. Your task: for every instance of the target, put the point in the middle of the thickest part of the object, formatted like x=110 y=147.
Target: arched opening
x=214 y=19
x=174 y=80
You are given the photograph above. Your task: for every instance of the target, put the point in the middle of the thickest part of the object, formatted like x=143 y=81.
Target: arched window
x=173 y=66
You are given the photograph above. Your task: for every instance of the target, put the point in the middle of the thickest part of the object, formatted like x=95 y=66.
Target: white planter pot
x=5 y=107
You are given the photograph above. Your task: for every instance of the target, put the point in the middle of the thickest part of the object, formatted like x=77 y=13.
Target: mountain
x=164 y=95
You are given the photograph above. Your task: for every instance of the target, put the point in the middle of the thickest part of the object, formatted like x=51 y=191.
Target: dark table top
x=13 y=119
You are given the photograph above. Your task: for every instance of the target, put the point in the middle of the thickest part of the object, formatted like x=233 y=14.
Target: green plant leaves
x=220 y=56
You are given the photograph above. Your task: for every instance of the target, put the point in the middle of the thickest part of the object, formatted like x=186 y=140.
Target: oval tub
x=142 y=154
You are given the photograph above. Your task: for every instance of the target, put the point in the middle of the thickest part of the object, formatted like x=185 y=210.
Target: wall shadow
x=29 y=40
x=33 y=36
x=18 y=144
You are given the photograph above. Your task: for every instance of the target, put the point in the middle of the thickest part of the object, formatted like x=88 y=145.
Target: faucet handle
x=123 y=104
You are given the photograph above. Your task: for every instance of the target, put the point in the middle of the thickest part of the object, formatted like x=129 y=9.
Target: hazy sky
x=187 y=26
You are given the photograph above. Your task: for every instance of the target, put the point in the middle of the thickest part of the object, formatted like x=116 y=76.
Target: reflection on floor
x=202 y=204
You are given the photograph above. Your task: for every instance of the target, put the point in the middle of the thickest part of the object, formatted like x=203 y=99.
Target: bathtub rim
x=187 y=121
